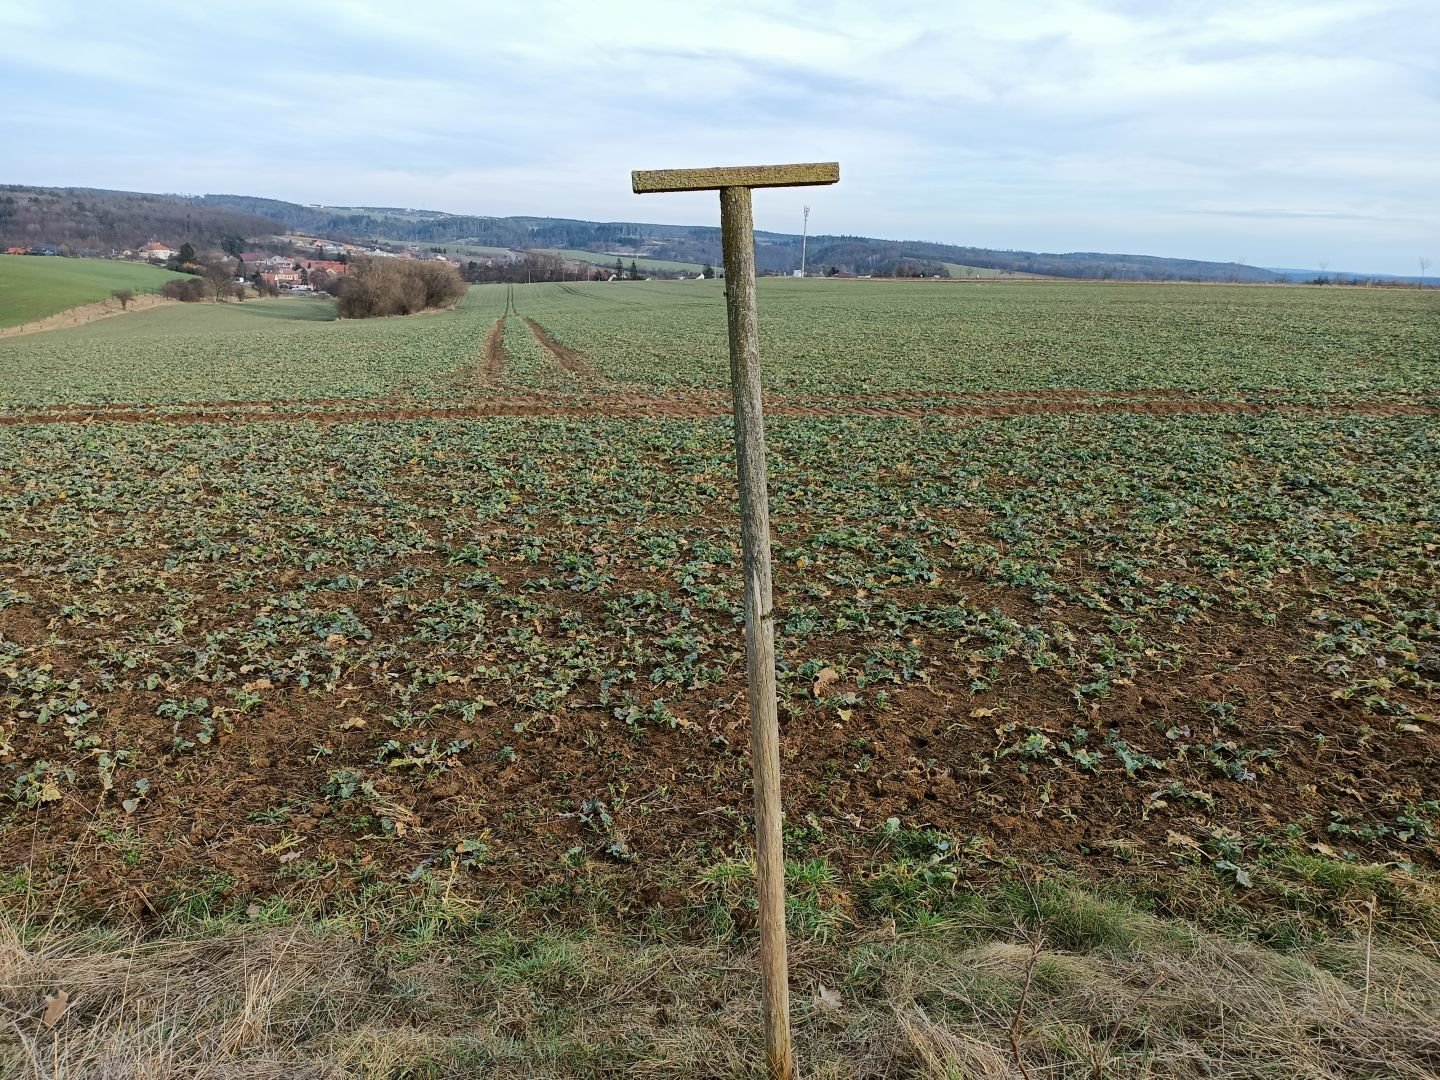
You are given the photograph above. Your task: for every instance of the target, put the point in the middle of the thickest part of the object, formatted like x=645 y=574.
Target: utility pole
x=737 y=236
x=804 y=236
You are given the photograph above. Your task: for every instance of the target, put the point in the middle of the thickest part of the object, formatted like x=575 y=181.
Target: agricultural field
x=460 y=247
x=32 y=287
x=960 y=270
x=607 y=262
x=400 y=660
x=853 y=337
x=860 y=341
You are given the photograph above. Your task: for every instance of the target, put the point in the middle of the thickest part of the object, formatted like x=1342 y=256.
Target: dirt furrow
x=698 y=408
x=495 y=349
x=923 y=401
x=568 y=359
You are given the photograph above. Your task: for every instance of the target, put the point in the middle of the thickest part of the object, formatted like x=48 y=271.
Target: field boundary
x=87 y=313
x=697 y=406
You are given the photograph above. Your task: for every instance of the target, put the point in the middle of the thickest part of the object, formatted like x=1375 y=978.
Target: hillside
x=696 y=245
x=90 y=221
x=32 y=288
x=96 y=220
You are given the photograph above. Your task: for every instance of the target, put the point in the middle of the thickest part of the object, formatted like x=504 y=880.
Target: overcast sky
x=1285 y=133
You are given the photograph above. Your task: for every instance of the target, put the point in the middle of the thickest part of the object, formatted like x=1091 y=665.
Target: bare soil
x=495 y=350
x=684 y=791
x=926 y=765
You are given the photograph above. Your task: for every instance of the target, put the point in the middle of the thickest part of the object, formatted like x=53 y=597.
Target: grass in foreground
x=1020 y=981
x=32 y=287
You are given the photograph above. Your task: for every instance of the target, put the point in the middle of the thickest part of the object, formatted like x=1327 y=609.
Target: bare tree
x=1424 y=265
x=376 y=287
x=124 y=296
x=221 y=276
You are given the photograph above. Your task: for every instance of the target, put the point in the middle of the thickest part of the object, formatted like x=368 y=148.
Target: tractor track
x=495 y=349
x=568 y=359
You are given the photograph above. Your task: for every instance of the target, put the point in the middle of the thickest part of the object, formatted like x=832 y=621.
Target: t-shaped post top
x=811 y=174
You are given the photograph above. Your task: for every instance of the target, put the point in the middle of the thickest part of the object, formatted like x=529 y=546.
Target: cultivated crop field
x=1109 y=632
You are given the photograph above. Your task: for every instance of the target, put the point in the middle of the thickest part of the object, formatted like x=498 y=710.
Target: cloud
x=1274 y=212
x=1292 y=130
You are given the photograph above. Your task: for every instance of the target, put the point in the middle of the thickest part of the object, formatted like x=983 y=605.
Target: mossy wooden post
x=738 y=237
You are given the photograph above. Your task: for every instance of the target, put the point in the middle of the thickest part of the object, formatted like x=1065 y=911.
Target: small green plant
x=347 y=784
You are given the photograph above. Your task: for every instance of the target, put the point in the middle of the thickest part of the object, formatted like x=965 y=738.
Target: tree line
x=535 y=266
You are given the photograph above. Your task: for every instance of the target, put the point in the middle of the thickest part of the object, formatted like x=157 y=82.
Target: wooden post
x=738 y=238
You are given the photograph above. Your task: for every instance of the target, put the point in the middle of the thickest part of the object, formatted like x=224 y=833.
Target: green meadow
x=32 y=287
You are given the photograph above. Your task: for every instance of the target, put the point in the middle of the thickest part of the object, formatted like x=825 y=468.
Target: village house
x=280 y=278
x=264 y=260
x=331 y=265
x=157 y=251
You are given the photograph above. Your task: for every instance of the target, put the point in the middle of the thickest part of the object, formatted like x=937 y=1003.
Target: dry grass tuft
x=953 y=1055
x=941 y=1004
x=168 y=1007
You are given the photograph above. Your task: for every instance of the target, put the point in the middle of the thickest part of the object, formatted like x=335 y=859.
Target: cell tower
x=804 y=236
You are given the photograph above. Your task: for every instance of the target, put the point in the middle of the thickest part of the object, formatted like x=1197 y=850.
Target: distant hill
x=87 y=219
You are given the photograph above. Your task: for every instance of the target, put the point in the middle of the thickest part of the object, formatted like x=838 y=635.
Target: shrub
x=380 y=286
x=187 y=290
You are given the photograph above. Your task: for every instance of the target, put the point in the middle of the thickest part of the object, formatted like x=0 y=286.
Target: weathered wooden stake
x=738 y=237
